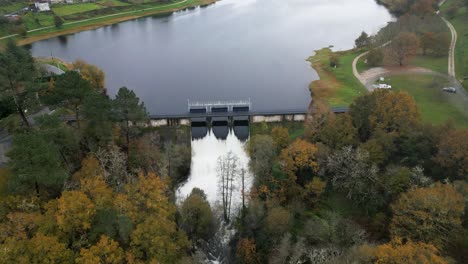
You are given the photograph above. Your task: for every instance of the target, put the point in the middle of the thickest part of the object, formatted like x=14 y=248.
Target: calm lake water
x=234 y=49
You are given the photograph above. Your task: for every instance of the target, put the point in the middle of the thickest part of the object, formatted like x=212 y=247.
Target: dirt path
x=453 y=43
x=369 y=77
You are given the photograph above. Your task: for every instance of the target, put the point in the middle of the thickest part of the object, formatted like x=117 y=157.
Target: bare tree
x=228 y=171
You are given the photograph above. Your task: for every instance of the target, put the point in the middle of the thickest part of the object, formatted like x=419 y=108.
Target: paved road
x=101 y=17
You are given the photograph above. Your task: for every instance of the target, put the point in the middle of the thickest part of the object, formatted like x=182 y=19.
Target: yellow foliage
x=397 y=252
x=90 y=168
x=432 y=215
x=75 y=212
x=299 y=155
x=106 y=251
x=246 y=251
x=94 y=75
x=315 y=188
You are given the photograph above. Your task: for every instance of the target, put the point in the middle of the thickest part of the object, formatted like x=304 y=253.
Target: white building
x=42 y=7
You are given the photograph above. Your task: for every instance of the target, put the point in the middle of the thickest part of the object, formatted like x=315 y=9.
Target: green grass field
x=65 y=10
x=460 y=22
x=12 y=7
x=337 y=85
x=35 y=20
x=110 y=3
x=295 y=129
x=435 y=106
x=438 y=64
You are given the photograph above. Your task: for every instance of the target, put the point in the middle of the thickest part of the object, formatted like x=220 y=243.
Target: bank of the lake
x=106 y=20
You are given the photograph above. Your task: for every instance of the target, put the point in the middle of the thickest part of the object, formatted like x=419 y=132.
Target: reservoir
x=232 y=50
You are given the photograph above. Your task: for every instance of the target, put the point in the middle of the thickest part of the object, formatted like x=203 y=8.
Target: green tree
x=97 y=110
x=70 y=91
x=128 y=110
x=452 y=154
x=362 y=41
x=375 y=57
x=58 y=21
x=35 y=163
x=196 y=217
x=262 y=152
x=17 y=75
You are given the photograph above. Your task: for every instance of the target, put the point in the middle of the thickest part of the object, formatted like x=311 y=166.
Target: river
x=234 y=49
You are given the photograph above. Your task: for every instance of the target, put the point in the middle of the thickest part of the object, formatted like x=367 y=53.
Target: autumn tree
x=298 y=161
x=338 y=132
x=452 y=154
x=155 y=236
x=280 y=136
x=106 y=251
x=423 y=7
x=403 y=47
x=319 y=113
x=246 y=252
x=196 y=217
x=17 y=74
x=431 y=215
x=91 y=73
x=47 y=249
x=75 y=212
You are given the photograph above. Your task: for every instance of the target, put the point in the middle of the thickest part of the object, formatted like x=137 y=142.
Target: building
x=42 y=7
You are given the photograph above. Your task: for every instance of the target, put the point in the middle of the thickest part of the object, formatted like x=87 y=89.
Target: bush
x=375 y=57
x=58 y=21
x=334 y=60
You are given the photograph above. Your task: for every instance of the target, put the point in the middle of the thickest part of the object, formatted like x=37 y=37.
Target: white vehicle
x=449 y=90
x=382 y=86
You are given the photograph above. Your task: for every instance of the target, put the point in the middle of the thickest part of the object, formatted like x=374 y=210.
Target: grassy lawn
x=12 y=7
x=337 y=85
x=35 y=20
x=438 y=64
x=435 y=106
x=460 y=22
x=110 y=3
x=64 y=10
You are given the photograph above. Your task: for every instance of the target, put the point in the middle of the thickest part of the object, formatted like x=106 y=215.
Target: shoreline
x=98 y=22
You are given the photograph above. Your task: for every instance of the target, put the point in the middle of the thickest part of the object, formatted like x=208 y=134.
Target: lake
x=234 y=49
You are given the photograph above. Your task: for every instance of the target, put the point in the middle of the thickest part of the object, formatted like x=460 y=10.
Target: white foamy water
x=203 y=174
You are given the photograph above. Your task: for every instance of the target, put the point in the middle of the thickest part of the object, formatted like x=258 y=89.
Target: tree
x=58 y=21
x=441 y=44
x=338 y=132
x=70 y=91
x=97 y=110
x=280 y=136
x=431 y=215
x=452 y=154
x=403 y=47
x=427 y=41
x=246 y=252
x=352 y=173
x=35 y=163
x=319 y=113
x=39 y=249
x=106 y=251
x=278 y=221
x=196 y=217
x=128 y=110
x=17 y=74
x=95 y=76
x=362 y=41
x=262 y=152
x=75 y=212
x=423 y=7
x=397 y=251
x=375 y=57
x=228 y=172
x=298 y=161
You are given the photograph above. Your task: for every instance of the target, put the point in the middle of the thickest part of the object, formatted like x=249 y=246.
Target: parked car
x=382 y=86
x=449 y=89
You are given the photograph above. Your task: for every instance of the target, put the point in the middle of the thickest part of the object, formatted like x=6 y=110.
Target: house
x=42 y=7
x=53 y=2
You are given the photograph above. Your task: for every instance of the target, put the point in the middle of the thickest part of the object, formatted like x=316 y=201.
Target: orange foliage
x=246 y=251
x=105 y=251
x=75 y=212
